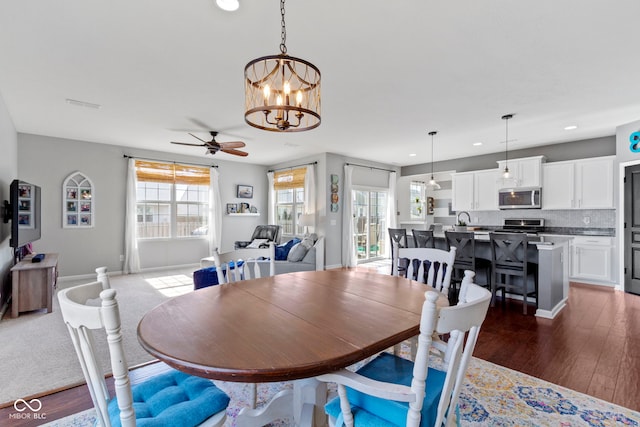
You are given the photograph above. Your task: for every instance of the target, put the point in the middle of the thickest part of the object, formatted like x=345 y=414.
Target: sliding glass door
x=369 y=223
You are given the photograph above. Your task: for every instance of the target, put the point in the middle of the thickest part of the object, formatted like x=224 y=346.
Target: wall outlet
x=586 y=220
x=121 y=257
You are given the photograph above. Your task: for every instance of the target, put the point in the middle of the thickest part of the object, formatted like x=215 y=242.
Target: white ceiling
x=391 y=72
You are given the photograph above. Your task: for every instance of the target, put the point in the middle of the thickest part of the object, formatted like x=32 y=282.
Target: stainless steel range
x=531 y=226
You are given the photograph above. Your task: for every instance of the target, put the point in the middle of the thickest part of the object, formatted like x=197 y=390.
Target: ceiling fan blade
x=186 y=143
x=232 y=144
x=235 y=152
x=196 y=137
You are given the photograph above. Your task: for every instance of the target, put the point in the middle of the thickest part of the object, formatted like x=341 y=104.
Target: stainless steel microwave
x=520 y=198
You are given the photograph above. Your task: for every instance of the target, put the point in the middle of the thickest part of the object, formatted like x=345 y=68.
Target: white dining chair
x=230 y=270
x=433 y=267
x=391 y=390
x=427 y=265
x=170 y=398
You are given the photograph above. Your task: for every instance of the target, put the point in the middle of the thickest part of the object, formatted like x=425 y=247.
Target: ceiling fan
x=213 y=146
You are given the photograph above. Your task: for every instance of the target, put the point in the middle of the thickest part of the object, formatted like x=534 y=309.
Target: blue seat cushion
x=172 y=399
x=282 y=251
x=374 y=411
x=208 y=277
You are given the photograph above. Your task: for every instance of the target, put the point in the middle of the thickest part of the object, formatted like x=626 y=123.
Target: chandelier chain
x=283 y=33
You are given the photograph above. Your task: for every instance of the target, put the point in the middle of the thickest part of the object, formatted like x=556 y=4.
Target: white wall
x=8 y=172
x=47 y=161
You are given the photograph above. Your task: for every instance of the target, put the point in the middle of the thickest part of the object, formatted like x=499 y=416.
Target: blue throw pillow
x=282 y=251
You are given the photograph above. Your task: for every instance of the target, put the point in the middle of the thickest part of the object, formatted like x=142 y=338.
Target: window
x=289 y=188
x=172 y=200
x=416 y=198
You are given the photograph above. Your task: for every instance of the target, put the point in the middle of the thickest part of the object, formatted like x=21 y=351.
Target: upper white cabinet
x=527 y=171
x=578 y=184
x=476 y=191
x=594 y=183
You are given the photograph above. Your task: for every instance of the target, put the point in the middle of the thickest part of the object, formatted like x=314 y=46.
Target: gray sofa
x=312 y=260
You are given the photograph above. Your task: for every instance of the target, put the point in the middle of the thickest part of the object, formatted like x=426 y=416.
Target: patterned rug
x=492 y=396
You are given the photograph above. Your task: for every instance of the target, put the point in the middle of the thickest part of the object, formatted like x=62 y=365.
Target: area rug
x=491 y=396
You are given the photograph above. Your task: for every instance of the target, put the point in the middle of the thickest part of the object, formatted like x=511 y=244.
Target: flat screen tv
x=24 y=213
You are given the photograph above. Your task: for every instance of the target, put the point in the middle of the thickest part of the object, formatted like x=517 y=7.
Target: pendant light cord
x=283 y=32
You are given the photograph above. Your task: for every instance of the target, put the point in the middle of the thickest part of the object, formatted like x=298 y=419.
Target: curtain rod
x=291 y=167
x=169 y=161
x=369 y=167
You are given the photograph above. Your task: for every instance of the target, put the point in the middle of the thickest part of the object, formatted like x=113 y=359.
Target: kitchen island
x=552 y=256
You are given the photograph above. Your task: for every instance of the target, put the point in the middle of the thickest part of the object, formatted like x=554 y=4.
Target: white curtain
x=349 y=258
x=131 y=254
x=391 y=208
x=310 y=192
x=271 y=199
x=215 y=212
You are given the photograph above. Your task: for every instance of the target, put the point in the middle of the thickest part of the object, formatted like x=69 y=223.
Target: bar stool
x=509 y=258
x=398 y=238
x=423 y=238
x=465 y=244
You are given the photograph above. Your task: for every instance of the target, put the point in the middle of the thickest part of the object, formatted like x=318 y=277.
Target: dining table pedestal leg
x=304 y=404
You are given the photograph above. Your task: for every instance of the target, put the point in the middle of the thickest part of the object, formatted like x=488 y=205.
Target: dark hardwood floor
x=592 y=346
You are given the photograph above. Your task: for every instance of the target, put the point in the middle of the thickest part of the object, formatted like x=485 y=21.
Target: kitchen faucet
x=468 y=217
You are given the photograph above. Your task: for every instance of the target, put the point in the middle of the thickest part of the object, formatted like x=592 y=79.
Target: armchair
x=269 y=232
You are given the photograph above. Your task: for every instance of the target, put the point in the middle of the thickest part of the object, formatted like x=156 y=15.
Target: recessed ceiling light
x=228 y=5
x=477 y=144
x=572 y=127
x=412 y=155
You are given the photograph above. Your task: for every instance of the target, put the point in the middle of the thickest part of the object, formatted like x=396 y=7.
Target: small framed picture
x=85 y=194
x=232 y=208
x=72 y=206
x=71 y=194
x=72 y=219
x=85 y=220
x=85 y=207
x=244 y=208
x=245 y=192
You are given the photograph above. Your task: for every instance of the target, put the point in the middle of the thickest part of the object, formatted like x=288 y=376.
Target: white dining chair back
x=103 y=277
x=382 y=392
x=89 y=307
x=427 y=265
x=241 y=264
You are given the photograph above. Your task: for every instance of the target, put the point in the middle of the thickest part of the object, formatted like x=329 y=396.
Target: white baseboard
x=92 y=277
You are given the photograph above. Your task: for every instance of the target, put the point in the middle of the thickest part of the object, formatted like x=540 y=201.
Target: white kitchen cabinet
x=578 y=184
x=558 y=185
x=594 y=183
x=527 y=171
x=475 y=191
x=591 y=258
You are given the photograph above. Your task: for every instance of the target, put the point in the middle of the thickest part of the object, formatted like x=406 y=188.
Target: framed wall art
x=78 y=201
x=245 y=192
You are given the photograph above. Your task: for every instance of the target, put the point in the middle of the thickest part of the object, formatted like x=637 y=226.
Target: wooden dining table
x=286 y=327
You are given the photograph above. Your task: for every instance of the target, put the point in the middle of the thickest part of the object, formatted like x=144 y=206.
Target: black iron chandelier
x=282 y=93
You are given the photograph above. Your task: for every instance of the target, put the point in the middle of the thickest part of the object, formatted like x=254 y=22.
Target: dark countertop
x=567 y=231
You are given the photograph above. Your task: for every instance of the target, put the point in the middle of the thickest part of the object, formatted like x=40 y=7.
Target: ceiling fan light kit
x=282 y=93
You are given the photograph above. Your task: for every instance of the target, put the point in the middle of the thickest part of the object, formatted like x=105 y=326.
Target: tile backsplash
x=588 y=218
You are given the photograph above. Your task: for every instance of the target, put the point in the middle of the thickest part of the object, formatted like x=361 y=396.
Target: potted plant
x=461 y=226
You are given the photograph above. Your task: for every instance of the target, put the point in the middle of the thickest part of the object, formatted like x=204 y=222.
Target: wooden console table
x=33 y=284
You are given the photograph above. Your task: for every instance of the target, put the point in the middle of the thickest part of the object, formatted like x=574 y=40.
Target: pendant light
x=282 y=93
x=507 y=179
x=432 y=182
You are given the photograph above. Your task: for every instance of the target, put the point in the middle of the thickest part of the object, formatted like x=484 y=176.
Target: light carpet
x=37 y=354
x=491 y=396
